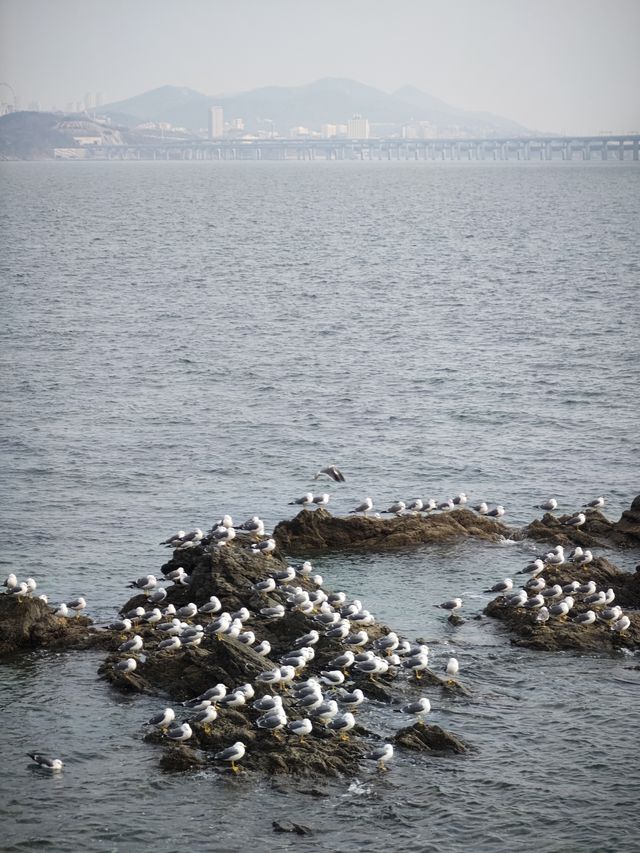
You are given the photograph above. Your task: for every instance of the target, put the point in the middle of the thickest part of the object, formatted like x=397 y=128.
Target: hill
x=330 y=100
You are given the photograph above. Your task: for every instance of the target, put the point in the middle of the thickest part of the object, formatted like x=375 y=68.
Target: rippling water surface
x=181 y=340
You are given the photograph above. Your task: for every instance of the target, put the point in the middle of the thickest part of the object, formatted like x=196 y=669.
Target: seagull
x=275 y=612
x=268 y=703
x=332 y=677
x=429 y=505
x=451 y=605
x=11 y=582
x=452 y=667
x=146 y=583
x=575 y=554
x=396 y=508
x=415 y=506
x=171 y=644
x=127 y=665
x=158 y=595
x=549 y=504
x=381 y=754
x=587 y=618
x=263 y=648
x=501 y=586
x=481 y=508
x=448 y=504
x=496 y=512
x=222 y=535
x=78 y=604
x=621 y=625
x=342 y=724
x=305 y=500
x=417 y=663
x=206 y=717
x=132 y=645
x=232 y=754
x=542 y=616
x=326 y=712
x=460 y=500
x=534 y=568
x=188 y=611
x=552 y=593
x=594 y=504
x=366 y=506
x=322 y=500
x=585 y=559
x=301 y=728
x=211 y=606
x=272 y=722
x=534 y=603
x=233 y=700
x=417 y=708
x=176 y=538
x=343 y=661
x=577 y=520
x=587 y=588
x=518 y=598
x=179 y=733
x=164 y=719
x=556 y=557
x=351 y=700
x=52 y=764
x=536 y=585
x=331 y=471
x=562 y=608
x=266 y=546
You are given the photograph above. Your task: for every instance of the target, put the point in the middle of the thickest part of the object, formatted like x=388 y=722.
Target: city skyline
x=570 y=67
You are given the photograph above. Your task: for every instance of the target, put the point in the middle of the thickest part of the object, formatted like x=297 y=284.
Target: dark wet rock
x=317 y=530
x=597 y=531
x=563 y=633
x=423 y=738
x=289 y=826
x=629 y=523
x=29 y=623
x=179 y=758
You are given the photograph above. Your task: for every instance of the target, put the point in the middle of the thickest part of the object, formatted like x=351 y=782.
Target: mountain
x=330 y=100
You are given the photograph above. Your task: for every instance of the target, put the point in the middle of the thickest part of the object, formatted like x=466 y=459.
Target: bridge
x=619 y=147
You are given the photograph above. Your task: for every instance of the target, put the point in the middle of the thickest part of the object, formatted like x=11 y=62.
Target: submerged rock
x=317 y=530
x=424 y=738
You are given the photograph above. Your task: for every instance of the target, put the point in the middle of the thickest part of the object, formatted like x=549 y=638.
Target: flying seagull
x=331 y=471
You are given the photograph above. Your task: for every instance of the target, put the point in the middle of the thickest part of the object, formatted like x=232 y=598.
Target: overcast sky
x=564 y=65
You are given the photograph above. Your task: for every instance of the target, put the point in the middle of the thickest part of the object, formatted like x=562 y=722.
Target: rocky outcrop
x=230 y=572
x=29 y=623
x=563 y=633
x=597 y=531
x=312 y=531
x=629 y=524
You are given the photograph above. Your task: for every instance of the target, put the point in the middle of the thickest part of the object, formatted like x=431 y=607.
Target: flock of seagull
x=319 y=700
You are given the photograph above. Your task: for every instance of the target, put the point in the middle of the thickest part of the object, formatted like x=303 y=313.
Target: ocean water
x=186 y=339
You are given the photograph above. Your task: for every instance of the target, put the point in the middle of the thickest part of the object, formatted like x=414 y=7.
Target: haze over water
x=183 y=340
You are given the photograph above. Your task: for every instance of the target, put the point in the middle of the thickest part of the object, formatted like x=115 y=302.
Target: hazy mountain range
x=330 y=100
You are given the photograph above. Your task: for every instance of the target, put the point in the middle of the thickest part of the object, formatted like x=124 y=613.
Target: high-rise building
x=328 y=131
x=358 y=127
x=216 y=123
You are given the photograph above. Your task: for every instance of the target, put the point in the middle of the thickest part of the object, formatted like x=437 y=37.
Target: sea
x=184 y=340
